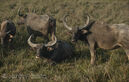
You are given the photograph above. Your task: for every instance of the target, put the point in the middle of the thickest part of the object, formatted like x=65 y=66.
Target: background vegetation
x=111 y=65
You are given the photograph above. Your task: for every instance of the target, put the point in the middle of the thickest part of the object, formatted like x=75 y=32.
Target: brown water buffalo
x=7 y=31
x=53 y=50
x=98 y=34
x=38 y=25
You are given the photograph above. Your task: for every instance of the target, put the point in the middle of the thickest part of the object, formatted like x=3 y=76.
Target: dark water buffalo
x=38 y=25
x=7 y=31
x=53 y=50
x=101 y=35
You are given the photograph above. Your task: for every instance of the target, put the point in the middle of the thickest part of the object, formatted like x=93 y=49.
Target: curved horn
x=64 y=22
x=19 y=12
x=51 y=43
x=88 y=20
x=32 y=44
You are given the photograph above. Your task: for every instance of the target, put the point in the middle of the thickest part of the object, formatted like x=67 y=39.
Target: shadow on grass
x=102 y=56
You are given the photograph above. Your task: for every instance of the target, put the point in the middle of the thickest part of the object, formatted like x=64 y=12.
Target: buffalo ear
x=84 y=31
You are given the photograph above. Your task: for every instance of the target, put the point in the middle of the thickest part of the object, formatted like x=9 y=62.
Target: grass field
x=112 y=66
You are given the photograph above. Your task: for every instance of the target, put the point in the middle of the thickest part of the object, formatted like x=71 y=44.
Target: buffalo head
x=7 y=31
x=77 y=32
x=22 y=18
x=42 y=48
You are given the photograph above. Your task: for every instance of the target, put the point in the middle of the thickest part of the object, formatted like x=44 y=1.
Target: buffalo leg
x=92 y=52
x=53 y=35
x=127 y=53
x=53 y=29
x=2 y=41
x=38 y=53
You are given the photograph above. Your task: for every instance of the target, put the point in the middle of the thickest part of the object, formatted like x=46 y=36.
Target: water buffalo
x=38 y=25
x=53 y=50
x=98 y=34
x=7 y=31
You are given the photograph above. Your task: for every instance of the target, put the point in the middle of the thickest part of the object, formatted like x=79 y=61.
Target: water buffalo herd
x=96 y=34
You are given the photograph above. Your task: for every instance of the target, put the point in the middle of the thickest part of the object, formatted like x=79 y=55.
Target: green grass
x=111 y=66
